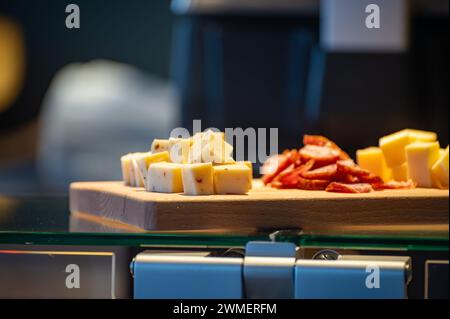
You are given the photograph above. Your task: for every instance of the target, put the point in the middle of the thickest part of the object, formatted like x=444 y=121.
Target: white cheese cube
x=146 y=159
x=421 y=156
x=198 y=179
x=179 y=150
x=138 y=179
x=165 y=178
x=132 y=173
x=232 y=179
x=159 y=146
x=217 y=151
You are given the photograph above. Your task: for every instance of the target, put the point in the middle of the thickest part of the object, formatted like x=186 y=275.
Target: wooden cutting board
x=263 y=208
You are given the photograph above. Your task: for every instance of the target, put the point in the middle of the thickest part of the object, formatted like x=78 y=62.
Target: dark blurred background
x=75 y=99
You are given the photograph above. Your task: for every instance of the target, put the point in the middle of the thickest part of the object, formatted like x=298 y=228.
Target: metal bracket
x=269 y=270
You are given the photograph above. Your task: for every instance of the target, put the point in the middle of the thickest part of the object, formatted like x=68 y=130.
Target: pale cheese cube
x=179 y=150
x=440 y=171
x=232 y=179
x=132 y=173
x=421 y=157
x=159 y=145
x=372 y=159
x=198 y=179
x=218 y=151
x=393 y=145
x=195 y=152
x=208 y=136
x=400 y=173
x=165 y=178
x=125 y=162
x=145 y=160
x=210 y=146
x=138 y=179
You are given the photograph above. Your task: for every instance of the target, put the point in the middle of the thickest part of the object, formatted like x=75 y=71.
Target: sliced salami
x=274 y=166
x=349 y=188
x=319 y=140
x=394 y=185
x=327 y=172
x=323 y=155
x=312 y=184
x=349 y=167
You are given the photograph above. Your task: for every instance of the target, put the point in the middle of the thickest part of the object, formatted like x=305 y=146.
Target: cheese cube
x=249 y=165
x=246 y=163
x=146 y=159
x=138 y=179
x=125 y=162
x=159 y=146
x=179 y=150
x=372 y=159
x=421 y=136
x=211 y=147
x=208 y=136
x=198 y=179
x=232 y=179
x=400 y=173
x=217 y=152
x=439 y=170
x=421 y=157
x=393 y=146
x=132 y=173
x=164 y=177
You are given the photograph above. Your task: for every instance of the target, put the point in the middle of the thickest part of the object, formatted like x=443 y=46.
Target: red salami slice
x=349 y=188
x=273 y=166
x=345 y=178
x=349 y=167
x=371 y=179
x=327 y=172
x=394 y=185
x=312 y=184
x=290 y=179
x=321 y=154
x=323 y=141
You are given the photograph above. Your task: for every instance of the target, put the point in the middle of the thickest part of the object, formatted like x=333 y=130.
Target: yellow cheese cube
x=249 y=165
x=372 y=159
x=439 y=170
x=198 y=179
x=400 y=173
x=144 y=161
x=421 y=136
x=232 y=179
x=393 y=145
x=159 y=146
x=421 y=157
x=164 y=178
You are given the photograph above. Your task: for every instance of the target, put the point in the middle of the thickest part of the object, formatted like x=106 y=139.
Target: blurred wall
x=136 y=32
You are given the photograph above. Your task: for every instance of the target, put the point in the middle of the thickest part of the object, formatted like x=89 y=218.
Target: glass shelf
x=46 y=220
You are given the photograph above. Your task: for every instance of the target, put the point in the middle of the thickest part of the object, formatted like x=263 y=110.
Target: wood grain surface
x=263 y=208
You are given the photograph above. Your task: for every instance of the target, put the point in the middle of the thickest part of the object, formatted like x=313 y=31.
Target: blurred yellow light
x=12 y=62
